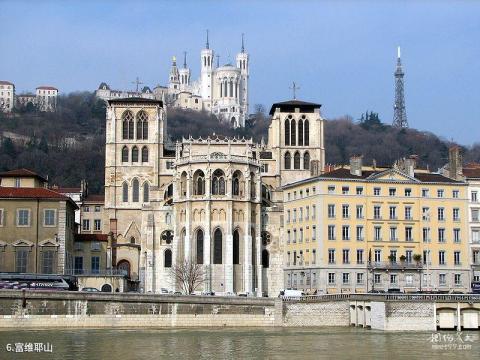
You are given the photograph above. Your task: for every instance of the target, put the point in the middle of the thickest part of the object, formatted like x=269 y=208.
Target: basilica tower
x=243 y=65
x=206 y=77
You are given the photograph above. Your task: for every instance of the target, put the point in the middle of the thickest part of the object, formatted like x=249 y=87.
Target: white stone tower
x=174 y=79
x=184 y=74
x=243 y=64
x=206 y=77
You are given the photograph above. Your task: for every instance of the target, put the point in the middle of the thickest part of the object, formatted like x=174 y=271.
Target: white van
x=291 y=293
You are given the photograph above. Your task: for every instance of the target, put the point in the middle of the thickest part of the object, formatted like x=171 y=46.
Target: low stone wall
x=327 y=313
x=46 y=309
x=35 y=309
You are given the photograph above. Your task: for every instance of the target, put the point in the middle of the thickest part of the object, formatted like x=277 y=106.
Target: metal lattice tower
x=399 y=113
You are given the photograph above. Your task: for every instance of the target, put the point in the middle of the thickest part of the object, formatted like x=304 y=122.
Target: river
x=228 y=343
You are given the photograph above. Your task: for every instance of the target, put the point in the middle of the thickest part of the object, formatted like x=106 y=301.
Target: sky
x=342 y=54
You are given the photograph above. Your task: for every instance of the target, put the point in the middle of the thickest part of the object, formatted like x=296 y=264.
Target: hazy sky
x=341 y=53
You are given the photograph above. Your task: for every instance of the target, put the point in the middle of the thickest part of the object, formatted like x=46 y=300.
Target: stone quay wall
x=48 y=309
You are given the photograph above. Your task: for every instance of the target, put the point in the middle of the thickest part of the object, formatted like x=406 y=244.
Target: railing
x=394 y=265
x=106 y=272
x=217 y=157
x=385 y=297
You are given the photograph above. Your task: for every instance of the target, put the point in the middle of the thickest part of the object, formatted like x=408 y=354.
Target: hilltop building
x=7 y=96
x=220 y=90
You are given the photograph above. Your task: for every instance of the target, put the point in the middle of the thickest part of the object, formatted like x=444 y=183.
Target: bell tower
x=206 y=76
x=296 y=138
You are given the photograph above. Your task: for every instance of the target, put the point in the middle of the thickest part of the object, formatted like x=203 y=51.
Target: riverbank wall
x=47 y=309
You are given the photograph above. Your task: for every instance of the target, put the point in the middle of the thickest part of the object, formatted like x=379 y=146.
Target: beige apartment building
x=358 y=229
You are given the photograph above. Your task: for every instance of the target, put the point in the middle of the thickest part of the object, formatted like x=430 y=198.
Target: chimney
x=374 y=164
x=454 y=163
x=410 y=165
x=356 y=165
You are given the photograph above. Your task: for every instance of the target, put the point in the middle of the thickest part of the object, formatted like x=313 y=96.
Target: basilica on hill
x=221 y=89
x=214 y=201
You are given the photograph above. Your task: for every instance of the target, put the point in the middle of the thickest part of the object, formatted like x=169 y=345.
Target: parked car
x=291 y=292
x=208 y=293
x=90 y=289
x=163 y=291
x=177 y=293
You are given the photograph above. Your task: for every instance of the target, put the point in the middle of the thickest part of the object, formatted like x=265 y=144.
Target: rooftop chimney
x=356 y=165
x=454 y=163
x=410 y=165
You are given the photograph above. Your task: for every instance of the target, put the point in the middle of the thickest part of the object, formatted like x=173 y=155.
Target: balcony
x=391 y=265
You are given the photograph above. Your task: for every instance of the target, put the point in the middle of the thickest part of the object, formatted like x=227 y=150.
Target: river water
x=252 y=343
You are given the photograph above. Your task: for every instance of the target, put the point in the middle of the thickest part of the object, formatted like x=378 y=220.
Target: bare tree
x=189 y=275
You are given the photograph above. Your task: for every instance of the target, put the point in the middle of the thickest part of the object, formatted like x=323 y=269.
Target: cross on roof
x=137 y=82
x=294 y=88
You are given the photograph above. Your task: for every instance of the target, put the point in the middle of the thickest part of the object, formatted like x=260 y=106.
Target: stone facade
x=214 y=201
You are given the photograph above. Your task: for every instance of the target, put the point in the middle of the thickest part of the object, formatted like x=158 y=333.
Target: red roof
x=3 y=82
x=471 y=172
x=91 y=237
x=21 y=173
x=94 y=198
x=31 y=193
x=47 y=88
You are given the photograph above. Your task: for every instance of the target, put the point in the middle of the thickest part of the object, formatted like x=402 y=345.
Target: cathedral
x=213 y=201
x=221 y=89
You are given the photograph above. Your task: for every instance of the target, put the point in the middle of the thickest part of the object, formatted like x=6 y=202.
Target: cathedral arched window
x=218 y=183
x=253 y=188
x=306 y=161
x=199 y=239
x=124 y=154
x=183 y=185
x=236 y=183
x=127 y=125
x=167 y=258
x=217 y=247
x=125 y=192
x=144 y=154
x=199 y=182
x=146 y=192
x=293 y=136
x=265 y=258
x=236 y=247
x=135 y=190
x=288 y=160
x=296 y=160
x=300 y=132
x=142 y=119
x=231 y=88
x=287 y=132
x=307 y=133
x=134 y=154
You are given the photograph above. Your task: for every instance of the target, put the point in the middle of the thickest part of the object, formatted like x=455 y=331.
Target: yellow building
x=36 y=225
x=358 y=229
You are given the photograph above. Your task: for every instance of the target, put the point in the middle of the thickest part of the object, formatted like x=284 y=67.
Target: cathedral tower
x=243 y=64
x=184 y=74
x=206 y=77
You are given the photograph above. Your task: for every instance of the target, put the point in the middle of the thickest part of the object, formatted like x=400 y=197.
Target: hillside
x=69 y=145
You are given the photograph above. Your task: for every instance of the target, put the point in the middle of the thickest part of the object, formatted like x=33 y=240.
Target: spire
x=174 y=61
x=218 y=60
x=184 y=59
x=208 y=44
x=399 y=113
x=243 y=45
